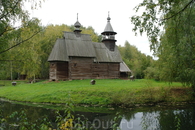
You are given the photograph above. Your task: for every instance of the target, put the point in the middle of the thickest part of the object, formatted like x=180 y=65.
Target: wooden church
x=76 y=56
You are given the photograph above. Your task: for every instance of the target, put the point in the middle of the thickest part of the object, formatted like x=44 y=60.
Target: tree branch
x=6 y=30
x=20 y=42
x=179 y=11
x=12 y=10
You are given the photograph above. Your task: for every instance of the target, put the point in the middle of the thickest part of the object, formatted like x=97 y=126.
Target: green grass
x=104 y=92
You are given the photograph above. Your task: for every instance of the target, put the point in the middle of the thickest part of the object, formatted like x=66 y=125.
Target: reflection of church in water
x=76 y=56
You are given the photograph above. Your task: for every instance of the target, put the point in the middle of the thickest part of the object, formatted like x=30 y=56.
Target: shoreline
x=110 y=107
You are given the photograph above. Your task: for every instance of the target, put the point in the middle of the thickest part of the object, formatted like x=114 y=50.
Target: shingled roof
x=82 y=46
x=108 y=28
x=103 y=54
x=59 y=52
x=124 y=67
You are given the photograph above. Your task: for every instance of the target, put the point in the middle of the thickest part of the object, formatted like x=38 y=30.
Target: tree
x=11 y=12
x=174 y=45
x=156 y=14
x=26 y=57
x=135 y=60
x=13 y=17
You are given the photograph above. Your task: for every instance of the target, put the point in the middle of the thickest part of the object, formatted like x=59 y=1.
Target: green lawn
x=104 y=92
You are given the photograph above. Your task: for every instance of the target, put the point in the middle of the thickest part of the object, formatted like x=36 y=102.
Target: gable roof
x=59 y=52
x=124 y=67
x=81 y=45
x=103 y=54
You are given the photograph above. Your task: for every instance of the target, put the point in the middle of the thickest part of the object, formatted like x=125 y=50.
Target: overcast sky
x=94 y=13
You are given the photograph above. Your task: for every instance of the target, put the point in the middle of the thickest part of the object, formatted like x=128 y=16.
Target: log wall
x=52 y=71
x=80 y=68
x=58 y=71
x=62 y=70
x=83 y=68
x=106 y=70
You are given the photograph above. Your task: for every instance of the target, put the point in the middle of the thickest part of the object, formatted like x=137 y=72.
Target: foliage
x=155 y=15
x=135 y=60
x=175 y=46
x=178 y=122
x=152 y=71
x=12 y=12
x=2 y=120
x=14 y=21
x=21 y=121
x=25 y=57
x=65 y=122
x=177 y=49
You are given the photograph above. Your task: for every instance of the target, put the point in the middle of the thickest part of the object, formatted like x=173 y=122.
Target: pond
x=142 y=118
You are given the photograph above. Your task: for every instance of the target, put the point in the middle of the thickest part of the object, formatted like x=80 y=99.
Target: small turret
x=77 y=26
x=108 y=36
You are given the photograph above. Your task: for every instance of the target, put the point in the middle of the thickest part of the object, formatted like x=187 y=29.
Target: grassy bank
x=104 y=92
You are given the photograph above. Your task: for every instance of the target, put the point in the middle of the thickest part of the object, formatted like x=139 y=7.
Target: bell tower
x=108 y=36
x=77 y=26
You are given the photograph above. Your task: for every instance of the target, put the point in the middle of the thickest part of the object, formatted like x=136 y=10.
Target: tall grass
x=104 y=92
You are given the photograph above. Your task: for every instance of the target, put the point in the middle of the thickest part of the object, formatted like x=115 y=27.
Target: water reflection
x=181 y=118
x=146 y=118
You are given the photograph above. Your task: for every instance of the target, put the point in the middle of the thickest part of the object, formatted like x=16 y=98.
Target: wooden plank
x=52 y=75
x=62 y=70
x=81 y=68
x=52 y=71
